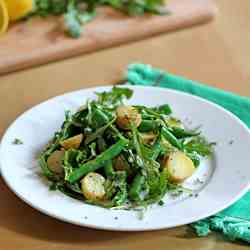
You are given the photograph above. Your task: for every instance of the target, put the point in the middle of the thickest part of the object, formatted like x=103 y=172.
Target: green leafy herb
x=114 y=98
x=141 y=214
x=161 y=203
x=17 y=141
x=78 y=12
x=199 y=145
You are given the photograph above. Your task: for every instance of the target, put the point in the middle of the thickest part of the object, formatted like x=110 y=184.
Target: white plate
x=226 y=177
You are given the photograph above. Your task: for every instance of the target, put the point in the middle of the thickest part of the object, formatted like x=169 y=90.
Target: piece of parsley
x=17 y=141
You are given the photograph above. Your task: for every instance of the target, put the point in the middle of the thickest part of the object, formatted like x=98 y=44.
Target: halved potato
x=72 y=142
x=126 y=115
x=55 y=161
x=121 y=164
x=179 y=166
x=93 y=186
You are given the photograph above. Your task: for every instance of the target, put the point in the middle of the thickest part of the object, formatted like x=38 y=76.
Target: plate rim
x=113 y=228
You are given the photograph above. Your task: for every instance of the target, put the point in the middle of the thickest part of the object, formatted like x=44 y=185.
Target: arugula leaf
x=114 y=98
x=58 y=6
x=194 y=156
x=117 y=4
x=116 y=188
x=17 y=141
x=164 y=109
x=72 y=24
x=199 y=145
x=72 y=159
x=78 y=12
x=44 y=167
x=98 y=133
x=86 y=16
x=92 y=148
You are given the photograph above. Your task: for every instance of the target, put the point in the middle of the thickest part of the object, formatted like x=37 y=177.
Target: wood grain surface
x=39 y=40
x=215 y=54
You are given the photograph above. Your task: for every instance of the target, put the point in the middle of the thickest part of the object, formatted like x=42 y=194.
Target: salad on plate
x=122 y=156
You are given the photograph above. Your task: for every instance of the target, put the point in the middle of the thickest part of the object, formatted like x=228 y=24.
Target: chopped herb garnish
x=177 y=193
x=140 y=214
x=161 y=203
x=17 y=141
x=53 y=186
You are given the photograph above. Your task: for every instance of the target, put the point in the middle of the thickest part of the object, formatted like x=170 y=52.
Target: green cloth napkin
x=234 y=222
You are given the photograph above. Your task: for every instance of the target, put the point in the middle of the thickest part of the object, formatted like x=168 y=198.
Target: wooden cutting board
x=38 y=41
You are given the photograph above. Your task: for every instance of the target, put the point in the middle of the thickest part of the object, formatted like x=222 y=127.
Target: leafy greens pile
x=78 y=12
x=126 y=150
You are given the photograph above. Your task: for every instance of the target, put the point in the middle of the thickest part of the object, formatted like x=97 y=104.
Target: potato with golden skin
x=54 y=161
x=127 y=115
x=179 y=166
x=93 y=186
x=119 y=163
x=72 y=142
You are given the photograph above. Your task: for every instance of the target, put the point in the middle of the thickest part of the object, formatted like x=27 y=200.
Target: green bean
x=156 y=149
x=147 y=125
x=152 y=112
x=136 y=187
x=108 y=166
x=171 y=138
x=182 y=133
x=98 y=162
x=44 y=166
x=135 y=140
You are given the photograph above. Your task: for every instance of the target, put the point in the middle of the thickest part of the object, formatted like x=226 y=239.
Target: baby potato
x=126 y=115
x=93 y=186
x=147 y=138
x=54 y=161
x=72 y=142
x=179 y=166
x=121 y=164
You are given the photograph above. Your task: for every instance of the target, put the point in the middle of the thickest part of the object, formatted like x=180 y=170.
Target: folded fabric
x=234 y=222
